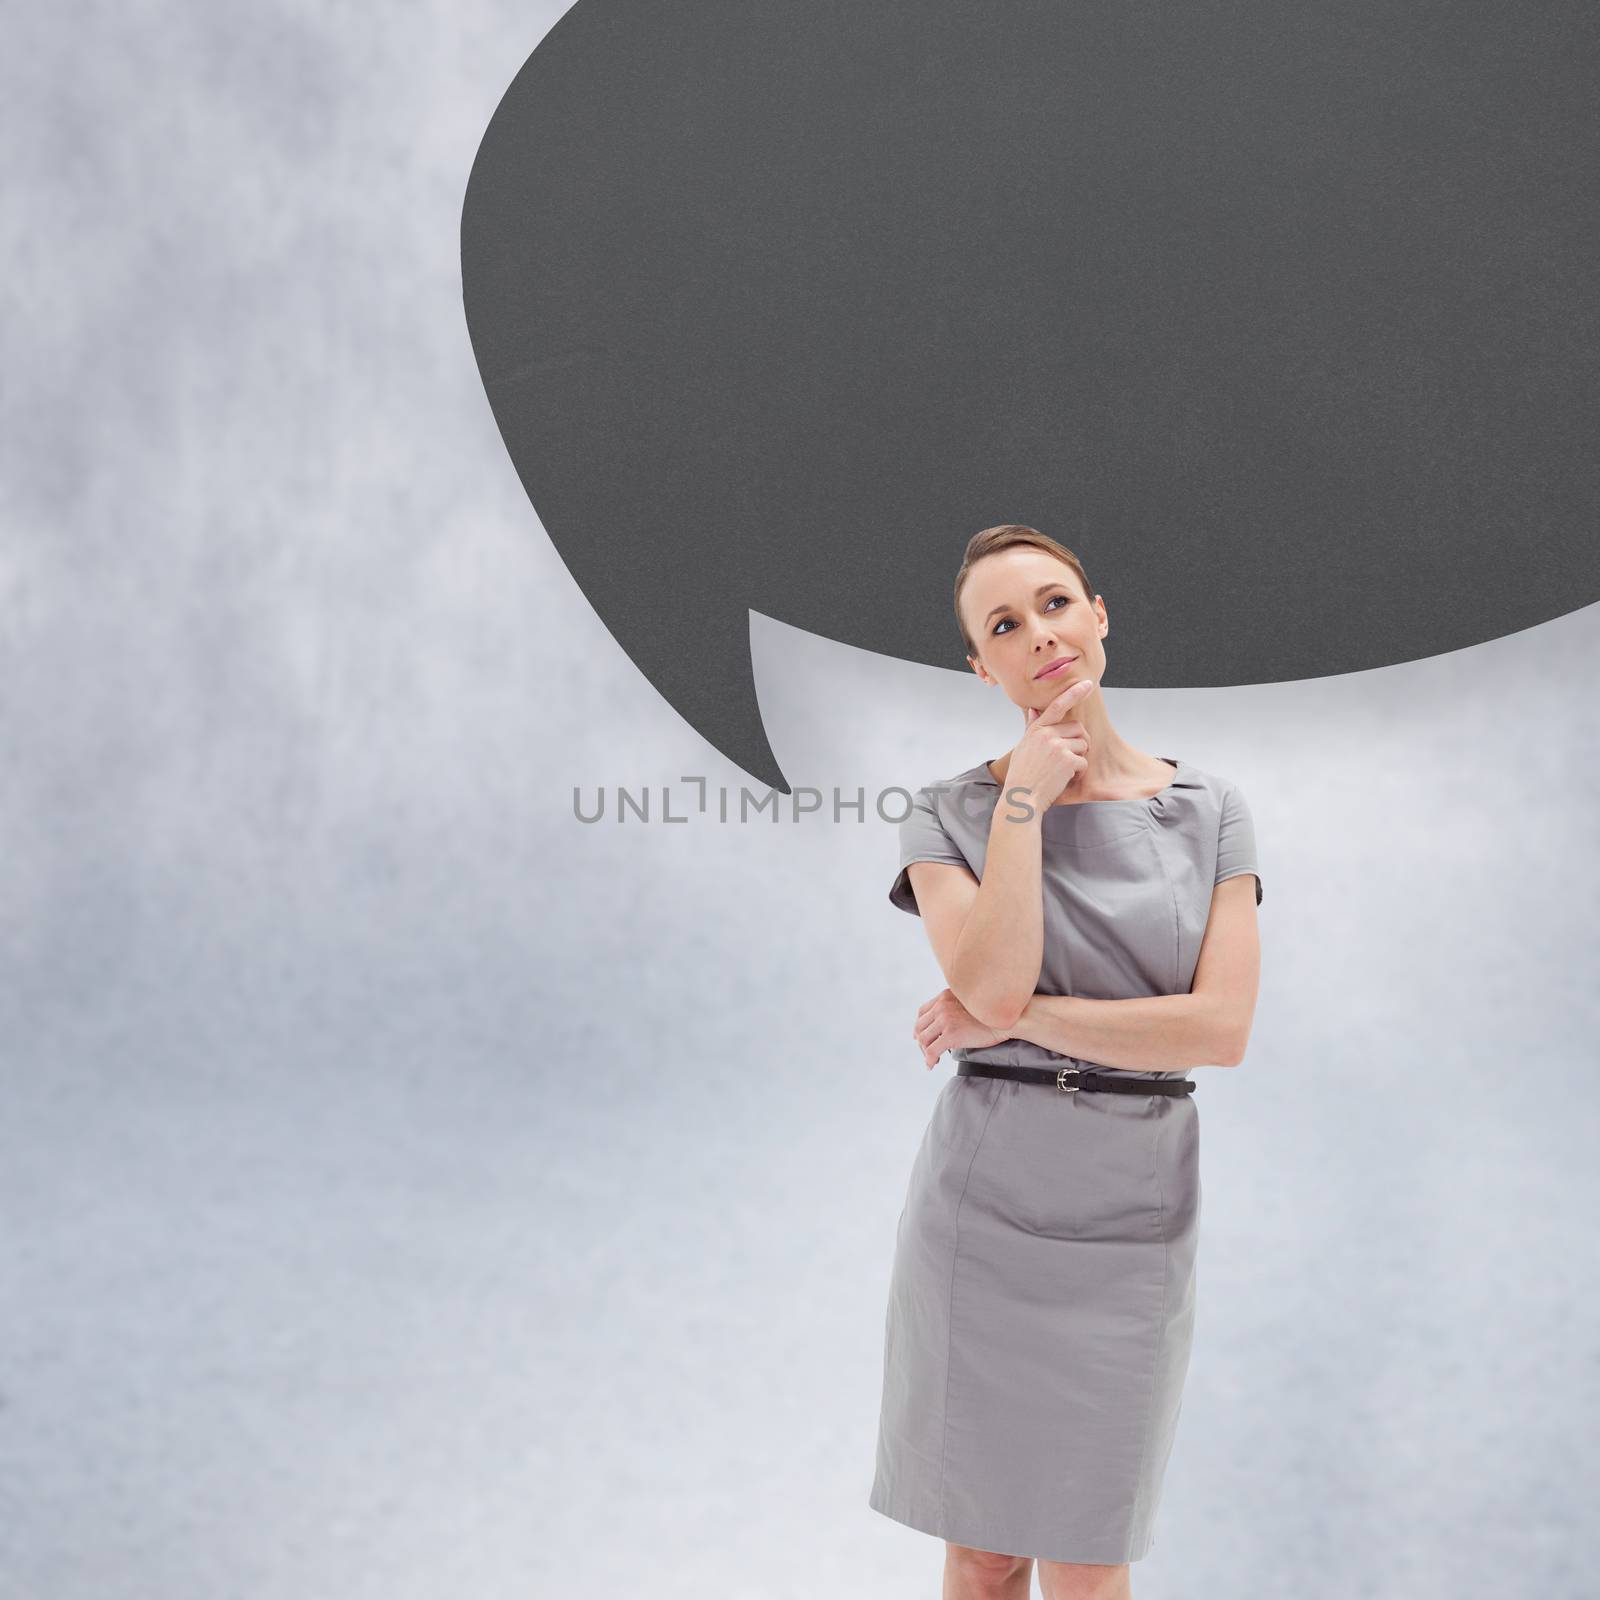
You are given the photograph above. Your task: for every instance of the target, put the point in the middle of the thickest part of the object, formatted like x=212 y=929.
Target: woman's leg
x=1080 y=1580
x=985 y=1574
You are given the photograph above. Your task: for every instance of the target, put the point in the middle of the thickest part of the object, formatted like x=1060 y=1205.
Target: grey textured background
x=409 y=1191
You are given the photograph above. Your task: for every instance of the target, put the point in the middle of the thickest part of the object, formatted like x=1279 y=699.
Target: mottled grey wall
x=410 y=1191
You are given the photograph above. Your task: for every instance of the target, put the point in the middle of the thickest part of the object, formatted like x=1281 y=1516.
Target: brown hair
x=1002 y=538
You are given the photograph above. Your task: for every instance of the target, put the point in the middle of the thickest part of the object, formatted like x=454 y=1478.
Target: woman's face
x=1024 y=609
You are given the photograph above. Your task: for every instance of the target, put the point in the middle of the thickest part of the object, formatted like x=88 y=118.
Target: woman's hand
x=945 y=1024
x=1052 y=750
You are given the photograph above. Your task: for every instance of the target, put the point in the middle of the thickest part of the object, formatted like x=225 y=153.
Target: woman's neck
x=1127 y=775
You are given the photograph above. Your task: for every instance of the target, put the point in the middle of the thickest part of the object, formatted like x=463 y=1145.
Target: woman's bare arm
x=1159 y=1033
x=988 y=936
x=1209 y=1026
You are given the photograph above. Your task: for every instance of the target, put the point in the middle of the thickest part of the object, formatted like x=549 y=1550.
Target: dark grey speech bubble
x=1282 y=317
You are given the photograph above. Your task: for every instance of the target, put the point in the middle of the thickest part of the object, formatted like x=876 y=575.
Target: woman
x=1093 y=909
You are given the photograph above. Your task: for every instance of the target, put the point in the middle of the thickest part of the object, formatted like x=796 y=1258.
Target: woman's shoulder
x=1202 y=780
x=978 y=774
x=953 y=804
x=1197 y=800
x=941 y=789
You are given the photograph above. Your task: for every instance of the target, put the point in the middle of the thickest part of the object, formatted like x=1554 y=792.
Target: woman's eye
x=1065 y=599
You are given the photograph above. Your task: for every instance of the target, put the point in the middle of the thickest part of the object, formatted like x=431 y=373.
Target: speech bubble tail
x=712 y=687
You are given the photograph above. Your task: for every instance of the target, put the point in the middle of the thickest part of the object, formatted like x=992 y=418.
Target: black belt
x=1074 y=1078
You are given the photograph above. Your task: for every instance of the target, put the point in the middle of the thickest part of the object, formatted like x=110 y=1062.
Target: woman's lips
x=1056 y=671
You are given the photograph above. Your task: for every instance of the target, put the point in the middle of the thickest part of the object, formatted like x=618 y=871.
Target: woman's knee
x=1082 y=1580
x=985 y=1564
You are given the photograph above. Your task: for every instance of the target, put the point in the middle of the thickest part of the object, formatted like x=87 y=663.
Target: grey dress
x=1042 y=1298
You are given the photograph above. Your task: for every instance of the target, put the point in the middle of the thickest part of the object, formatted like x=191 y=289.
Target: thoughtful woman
x=1093 y=909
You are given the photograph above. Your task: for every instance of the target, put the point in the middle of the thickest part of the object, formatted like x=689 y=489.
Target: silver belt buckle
x=1061 y=1079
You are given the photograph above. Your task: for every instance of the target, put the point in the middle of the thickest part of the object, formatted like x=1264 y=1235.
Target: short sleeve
x=1236 y=840
x=922 y=838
